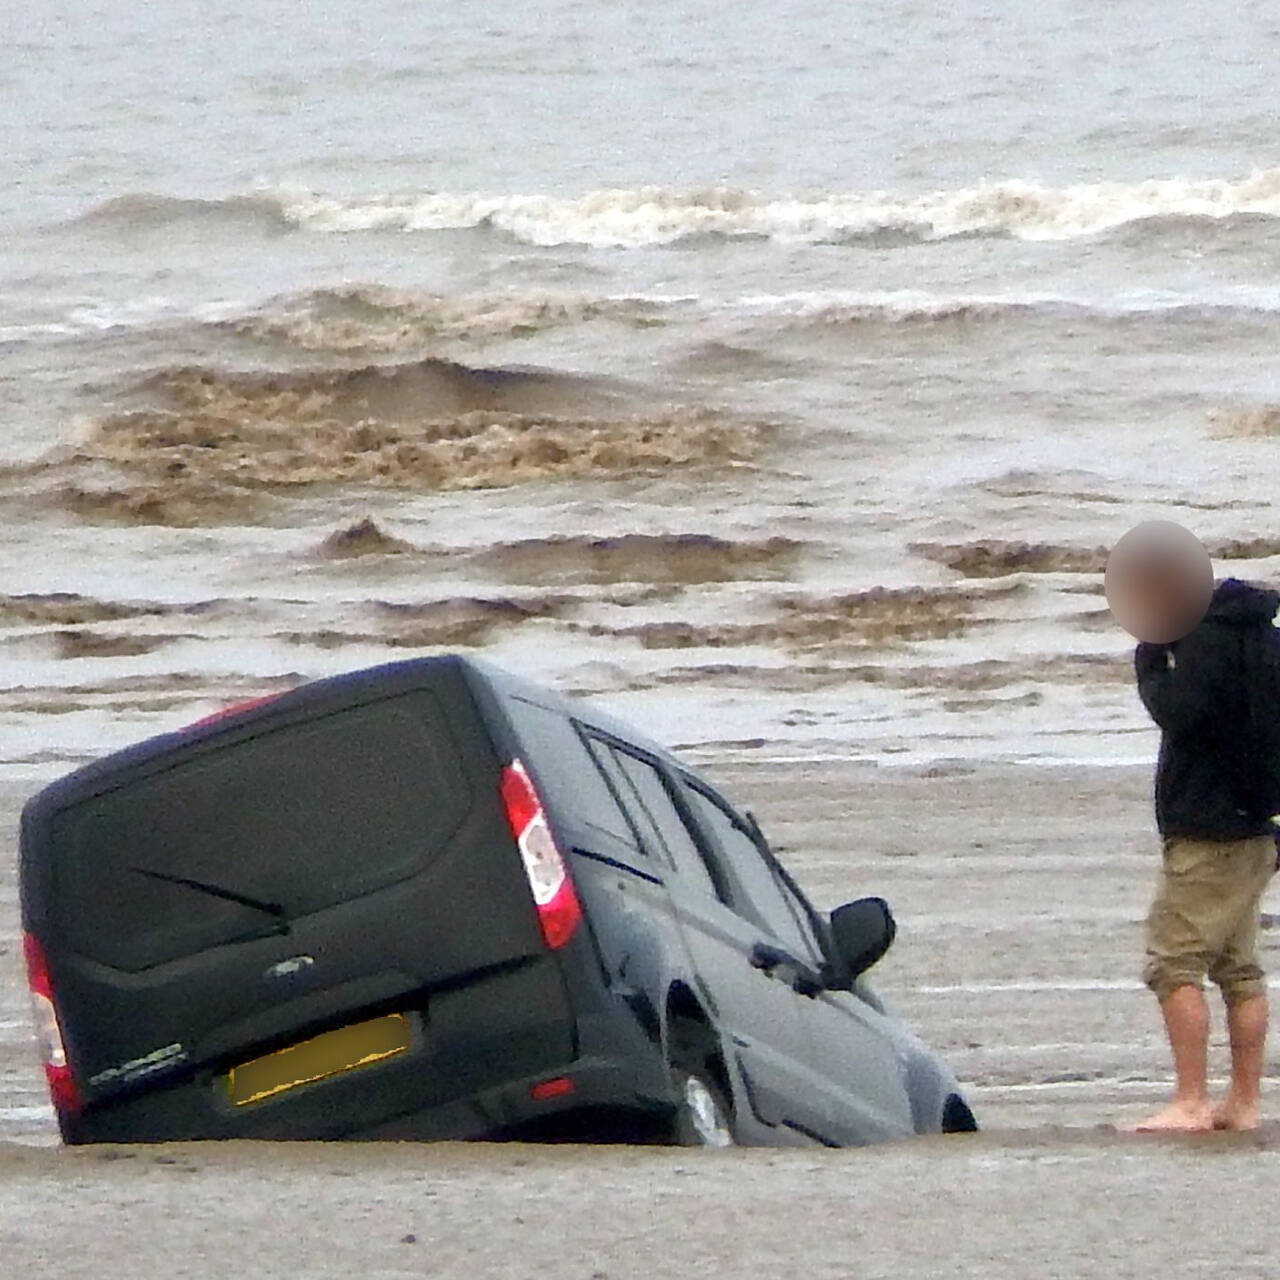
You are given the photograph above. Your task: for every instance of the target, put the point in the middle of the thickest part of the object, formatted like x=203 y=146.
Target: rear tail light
x=559 y=911
x=62 y=1085
x=234 y=709
x=556 y=1087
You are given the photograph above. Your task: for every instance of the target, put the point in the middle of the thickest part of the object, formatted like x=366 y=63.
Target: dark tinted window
x=643 y=791
x=757 y=891
x=800 y=912
x=645 y=830
x=306 y=816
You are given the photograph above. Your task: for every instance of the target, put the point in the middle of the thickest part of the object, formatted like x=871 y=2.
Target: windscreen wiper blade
x=274 y=909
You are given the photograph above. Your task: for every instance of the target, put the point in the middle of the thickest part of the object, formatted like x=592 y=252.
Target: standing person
x=1208 y=671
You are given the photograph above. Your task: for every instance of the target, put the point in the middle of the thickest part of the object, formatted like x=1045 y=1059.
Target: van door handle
x=800 y=977
x=766 y=957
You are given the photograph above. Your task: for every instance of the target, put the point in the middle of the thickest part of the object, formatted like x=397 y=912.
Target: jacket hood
x=1243 y=604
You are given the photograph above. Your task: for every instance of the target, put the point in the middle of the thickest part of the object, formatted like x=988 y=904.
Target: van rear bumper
x=588 y=1100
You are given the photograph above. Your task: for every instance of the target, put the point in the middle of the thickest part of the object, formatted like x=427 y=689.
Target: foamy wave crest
x=204 y=445
x=803 y=624
x=379 y=319
x=909 y=307
x=656 y=216
x=383 y=318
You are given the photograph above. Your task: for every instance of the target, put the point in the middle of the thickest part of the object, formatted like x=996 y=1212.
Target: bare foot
x=1177 y=1117
x=1237 y=1116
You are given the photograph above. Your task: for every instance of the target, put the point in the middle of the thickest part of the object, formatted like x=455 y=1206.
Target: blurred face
x=1158 y=581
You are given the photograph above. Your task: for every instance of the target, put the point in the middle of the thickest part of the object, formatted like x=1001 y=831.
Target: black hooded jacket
x=1216 y=696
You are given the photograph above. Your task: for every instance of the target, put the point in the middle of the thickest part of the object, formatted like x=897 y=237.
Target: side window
x=760 y=895
x=645 y=829
x=803 y=919
x=546 y=734
x=645 y=794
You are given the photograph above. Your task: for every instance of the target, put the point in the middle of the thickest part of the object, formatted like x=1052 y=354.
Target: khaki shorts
x=1204 y=920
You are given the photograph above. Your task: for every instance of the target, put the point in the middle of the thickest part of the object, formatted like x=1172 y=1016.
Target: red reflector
x=557 y=1087
x=53 y=1053
x=232 y=710
x=556 y=900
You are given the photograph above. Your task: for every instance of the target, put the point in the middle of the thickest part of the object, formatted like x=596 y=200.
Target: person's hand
x=1149 y=658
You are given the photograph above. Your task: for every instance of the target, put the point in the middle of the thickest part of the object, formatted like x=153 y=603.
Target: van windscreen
x=236 y=839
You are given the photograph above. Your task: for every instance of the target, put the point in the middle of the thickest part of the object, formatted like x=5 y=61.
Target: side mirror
x=862 y=932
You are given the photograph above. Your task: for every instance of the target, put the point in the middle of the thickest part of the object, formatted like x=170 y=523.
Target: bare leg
x=1186 y=1019
x=1247 y=1024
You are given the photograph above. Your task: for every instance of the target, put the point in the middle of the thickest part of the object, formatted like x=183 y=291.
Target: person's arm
x=1177 y=682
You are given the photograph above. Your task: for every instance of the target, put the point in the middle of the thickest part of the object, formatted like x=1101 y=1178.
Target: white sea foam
x=914 y=305
x=656 y=216
x=377 y=318
x=23 y=332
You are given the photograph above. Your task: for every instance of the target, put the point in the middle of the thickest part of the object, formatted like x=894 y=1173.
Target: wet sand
x=1046 y=1204
x=1019 y=891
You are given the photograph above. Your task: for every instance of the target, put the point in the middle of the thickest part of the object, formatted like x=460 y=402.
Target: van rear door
x=336 y=858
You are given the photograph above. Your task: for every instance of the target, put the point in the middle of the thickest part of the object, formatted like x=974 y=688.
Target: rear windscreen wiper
x=274 y=909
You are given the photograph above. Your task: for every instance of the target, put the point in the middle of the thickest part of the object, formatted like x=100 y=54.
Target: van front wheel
x=703 y=1118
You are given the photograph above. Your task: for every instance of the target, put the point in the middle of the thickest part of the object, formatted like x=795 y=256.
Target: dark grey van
x=429 y=900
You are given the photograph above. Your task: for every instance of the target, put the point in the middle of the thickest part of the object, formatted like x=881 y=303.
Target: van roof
x=394 y=676
x=505 y=683
x=106 y=769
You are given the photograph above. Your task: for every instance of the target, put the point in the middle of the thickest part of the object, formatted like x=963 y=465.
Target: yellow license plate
x=329 y=1054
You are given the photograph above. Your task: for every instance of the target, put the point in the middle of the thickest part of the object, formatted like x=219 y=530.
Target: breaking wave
x=364 y=538
x=657 y=216
x=70 y=609
x=801 y=623
x=361 y=322
x=375 y=318
x=1257 y=548
x=621 y=218
x=80 y=643
x=404 y=392
x=993 y=558
x=462 y=621
x=661 y=559
x=202 y=445
x=678 y=558
x=80 y=626
x=908 y=308
x=826 y=631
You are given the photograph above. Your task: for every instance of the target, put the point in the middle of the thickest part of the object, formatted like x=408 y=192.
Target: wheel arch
x=691 y=1037
x=937 y=1102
